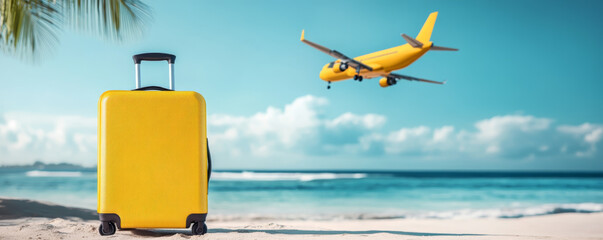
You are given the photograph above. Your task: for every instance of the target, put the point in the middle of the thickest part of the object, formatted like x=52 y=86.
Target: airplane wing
x=409 y=78
x=334 y=53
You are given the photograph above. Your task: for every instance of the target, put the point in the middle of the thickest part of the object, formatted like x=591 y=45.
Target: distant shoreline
x=402 y=173
x=38 y=165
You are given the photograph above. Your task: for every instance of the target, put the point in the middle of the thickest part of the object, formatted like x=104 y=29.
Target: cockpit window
x=331 y=64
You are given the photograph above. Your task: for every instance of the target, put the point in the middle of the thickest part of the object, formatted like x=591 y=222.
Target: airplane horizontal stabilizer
x=412 y=42
x=409 y=78
x=438 y=48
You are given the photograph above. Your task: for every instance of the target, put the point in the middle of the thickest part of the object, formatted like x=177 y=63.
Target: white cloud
x=407 y=140
x=302 y=130
x=586 y=138
x=26 y=137
x=589 y=132
x=443 y=133
x=493 y=149
x=368 y=121
x=594 y=136
x=350 y=134
x=298 y=128
x=501 y=134
x=498 y=126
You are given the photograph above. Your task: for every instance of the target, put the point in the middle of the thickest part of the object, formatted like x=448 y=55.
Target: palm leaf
x=111 y=19
x=28 y=26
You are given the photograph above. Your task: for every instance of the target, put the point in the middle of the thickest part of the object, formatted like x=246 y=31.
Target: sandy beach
x=27 y=219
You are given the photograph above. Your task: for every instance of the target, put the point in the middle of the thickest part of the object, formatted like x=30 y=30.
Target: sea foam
x=282 y=176
x=547 y=209
x=37 y=173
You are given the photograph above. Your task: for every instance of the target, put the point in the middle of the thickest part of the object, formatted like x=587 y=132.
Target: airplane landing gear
x=329 y=86
x=358 y=76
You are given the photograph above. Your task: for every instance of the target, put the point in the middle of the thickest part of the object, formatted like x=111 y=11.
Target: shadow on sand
x=170 y=232
x=23 y=208
x=335 y=232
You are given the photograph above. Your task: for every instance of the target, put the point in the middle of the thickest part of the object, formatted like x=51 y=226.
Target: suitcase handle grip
x=154 y=57
x=158 y=88
x=171 y=59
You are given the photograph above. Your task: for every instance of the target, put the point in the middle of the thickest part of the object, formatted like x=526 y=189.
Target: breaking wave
x=37 y=173
x=283 y=176
x=546 y=209
x=541 y=210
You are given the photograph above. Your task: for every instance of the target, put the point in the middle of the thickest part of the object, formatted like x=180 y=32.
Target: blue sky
x=523 y=92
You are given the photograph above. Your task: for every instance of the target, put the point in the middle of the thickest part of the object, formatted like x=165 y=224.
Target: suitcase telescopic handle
x=171 y=59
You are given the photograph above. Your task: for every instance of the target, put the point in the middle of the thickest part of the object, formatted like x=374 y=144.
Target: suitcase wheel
x=107 y=228
x=199 y=228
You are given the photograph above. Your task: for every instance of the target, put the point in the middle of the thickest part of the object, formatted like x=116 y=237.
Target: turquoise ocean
x=327 y=195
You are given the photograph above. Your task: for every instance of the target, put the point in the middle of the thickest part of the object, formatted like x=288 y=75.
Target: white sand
x=25 y=219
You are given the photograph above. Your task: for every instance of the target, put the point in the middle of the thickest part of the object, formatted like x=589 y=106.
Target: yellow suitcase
x=153 y=158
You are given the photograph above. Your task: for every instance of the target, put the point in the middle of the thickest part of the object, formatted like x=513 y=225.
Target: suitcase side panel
x=152 y=166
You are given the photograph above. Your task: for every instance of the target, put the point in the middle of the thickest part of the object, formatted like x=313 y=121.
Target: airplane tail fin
x=425 y=33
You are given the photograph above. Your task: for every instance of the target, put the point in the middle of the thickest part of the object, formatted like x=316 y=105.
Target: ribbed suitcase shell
x=152 y=158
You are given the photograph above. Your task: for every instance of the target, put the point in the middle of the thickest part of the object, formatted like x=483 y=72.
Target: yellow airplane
x=381 y=63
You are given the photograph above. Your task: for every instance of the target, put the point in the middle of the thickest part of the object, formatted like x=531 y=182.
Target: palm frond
x=28 y=26
x=111 y=19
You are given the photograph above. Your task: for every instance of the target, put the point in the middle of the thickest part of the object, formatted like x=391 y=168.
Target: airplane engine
x=386 y=82
x=340 y=67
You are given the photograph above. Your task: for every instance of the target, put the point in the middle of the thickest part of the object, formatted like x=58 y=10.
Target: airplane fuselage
x=383 y=62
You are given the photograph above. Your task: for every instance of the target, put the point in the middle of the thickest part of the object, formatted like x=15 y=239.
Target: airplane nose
x=323 y=75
